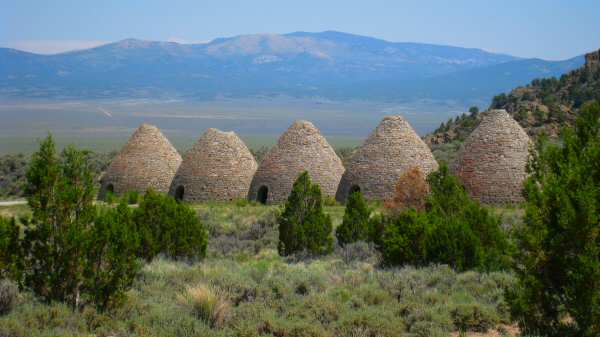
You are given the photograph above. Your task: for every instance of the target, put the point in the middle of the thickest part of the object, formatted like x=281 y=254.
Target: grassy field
x=16 y=211
x=244 y=288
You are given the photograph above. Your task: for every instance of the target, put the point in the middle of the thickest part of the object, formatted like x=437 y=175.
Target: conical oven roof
x=390 y=151
x=219 y=167
x=147 y=161
x=493 y=160
x=300 y=148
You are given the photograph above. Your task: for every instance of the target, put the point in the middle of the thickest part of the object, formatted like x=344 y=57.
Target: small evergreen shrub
x=169 y=227
x=355 y=225
x=303 y=225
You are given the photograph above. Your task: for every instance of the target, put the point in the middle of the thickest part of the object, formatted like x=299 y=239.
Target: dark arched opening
x=179 y=192
x=110 y=189
x=263 y=194
x=354 y=188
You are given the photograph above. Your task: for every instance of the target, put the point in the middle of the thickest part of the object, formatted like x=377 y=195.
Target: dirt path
x=13 y=202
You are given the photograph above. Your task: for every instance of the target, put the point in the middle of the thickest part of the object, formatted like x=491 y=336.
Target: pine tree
x=303 y=225
x=355 y=225
x=559 y=245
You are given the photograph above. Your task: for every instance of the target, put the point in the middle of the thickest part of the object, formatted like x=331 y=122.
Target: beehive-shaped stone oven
x=492 y=161
x=300 y=148
x=219 y=167
x=389 y=152
x=147 y=161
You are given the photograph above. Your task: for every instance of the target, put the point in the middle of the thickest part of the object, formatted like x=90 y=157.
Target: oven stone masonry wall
x=300 y=148
x=492 y=162
x=218 y=167
x=147 y=161
x=592 y=60
x=391 y=150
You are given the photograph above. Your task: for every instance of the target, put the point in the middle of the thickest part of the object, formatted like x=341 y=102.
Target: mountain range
x=329 y=64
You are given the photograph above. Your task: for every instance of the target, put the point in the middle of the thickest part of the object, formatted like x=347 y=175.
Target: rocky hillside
x=544 y=105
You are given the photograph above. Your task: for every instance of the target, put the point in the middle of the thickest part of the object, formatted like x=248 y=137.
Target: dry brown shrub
x=411 y=191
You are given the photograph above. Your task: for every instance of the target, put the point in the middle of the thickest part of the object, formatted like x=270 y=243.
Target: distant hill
x=328 y=64
x=544 y=105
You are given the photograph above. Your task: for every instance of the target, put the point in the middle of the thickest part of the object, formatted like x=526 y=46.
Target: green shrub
x=330 y=201
x=169 y=227
x=112 y=256
x=474 y=317
x=9 y=245
x=403 y=238
x=355 y=225
x=110 y=197
x=303 y=225
x=559 y=245
x=8 y=296
x=131 y=197
x=453 y=229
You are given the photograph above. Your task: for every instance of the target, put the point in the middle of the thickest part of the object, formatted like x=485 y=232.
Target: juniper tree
x=355 y=225
x=9 y=236
x=559 y=245
x=60 y=192
x=303 y=225
x=112 y=263
x=68 y=252
x=452 y=229
x=169 y=227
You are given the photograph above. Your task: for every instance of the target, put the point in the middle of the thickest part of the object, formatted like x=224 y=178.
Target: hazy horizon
x=66 y=46
x=522 y=29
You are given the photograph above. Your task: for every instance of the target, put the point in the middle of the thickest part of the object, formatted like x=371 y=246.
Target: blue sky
x=550 y=29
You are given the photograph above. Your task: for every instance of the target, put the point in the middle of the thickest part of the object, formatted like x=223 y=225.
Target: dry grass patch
x=208 y=304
